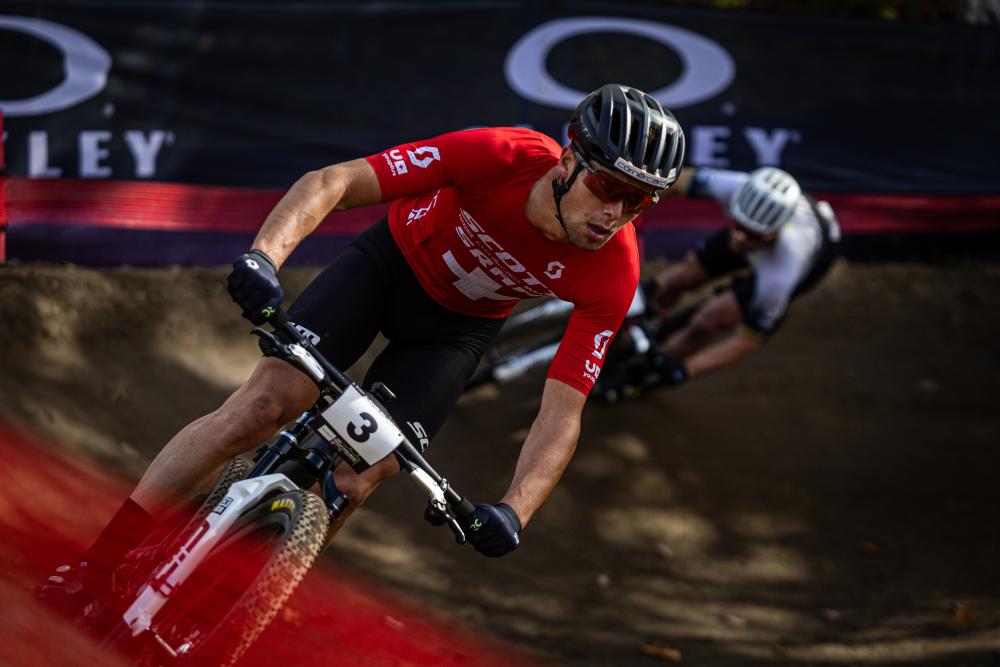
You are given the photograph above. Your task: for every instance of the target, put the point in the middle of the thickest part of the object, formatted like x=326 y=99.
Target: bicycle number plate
x=367 y=432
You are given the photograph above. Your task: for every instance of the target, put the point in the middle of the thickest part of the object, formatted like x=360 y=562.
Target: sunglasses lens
x=610 y=190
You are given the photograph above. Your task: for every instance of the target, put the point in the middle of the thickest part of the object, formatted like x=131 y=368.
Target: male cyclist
x=778 y=244
x=480 y=219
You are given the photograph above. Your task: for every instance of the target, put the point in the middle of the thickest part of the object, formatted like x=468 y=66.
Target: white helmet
x=765 y=201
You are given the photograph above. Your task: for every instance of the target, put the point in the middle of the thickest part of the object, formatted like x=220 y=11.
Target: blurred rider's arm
x=738 y=345
x=671 y=283
x=680 y=188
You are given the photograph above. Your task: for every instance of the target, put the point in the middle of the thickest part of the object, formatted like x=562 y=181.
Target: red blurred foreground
x=52 y=505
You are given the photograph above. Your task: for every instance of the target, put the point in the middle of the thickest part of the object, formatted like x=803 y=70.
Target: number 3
x=365 y=432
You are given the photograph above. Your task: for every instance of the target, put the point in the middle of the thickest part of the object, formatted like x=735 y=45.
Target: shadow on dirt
x=116 y=362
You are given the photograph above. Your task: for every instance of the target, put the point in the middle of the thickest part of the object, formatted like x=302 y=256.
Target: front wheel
x=244 y=581
x=140 y=562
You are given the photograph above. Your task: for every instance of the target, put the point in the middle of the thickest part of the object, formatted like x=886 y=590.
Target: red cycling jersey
x=459 y=220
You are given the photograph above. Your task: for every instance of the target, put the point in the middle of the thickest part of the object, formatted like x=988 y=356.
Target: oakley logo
x=708 y=69
x=86 y=65
x=554 y=270
x=430 y=151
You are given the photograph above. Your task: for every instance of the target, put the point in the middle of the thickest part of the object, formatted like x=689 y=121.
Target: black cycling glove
x=254 y=286
x=493 y=529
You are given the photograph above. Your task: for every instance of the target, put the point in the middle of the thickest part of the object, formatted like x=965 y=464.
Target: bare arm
x=673 y=281
x=310 y=199
x=547 y=450
x=680 y=188
x=735 y=347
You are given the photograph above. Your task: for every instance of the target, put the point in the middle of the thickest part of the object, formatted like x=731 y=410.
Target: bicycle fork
x=241 y=496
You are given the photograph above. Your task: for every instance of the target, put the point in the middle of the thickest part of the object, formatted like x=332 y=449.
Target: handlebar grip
x=279 y=320
x=463 y=508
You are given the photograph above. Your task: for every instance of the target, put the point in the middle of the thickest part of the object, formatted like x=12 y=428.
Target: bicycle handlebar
x=407 y=454
x=279 y=320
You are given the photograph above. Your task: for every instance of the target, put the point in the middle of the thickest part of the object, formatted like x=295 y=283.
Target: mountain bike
x=529 y=339
x=203 y=586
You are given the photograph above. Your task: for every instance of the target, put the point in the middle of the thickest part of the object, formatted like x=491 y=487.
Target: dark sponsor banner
x=254 y=94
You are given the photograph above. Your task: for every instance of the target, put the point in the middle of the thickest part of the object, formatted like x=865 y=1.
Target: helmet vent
x=624 y=128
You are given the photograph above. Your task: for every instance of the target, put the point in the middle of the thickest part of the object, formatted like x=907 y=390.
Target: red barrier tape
x=3 y=204
x=182 y=207
x=157 y=206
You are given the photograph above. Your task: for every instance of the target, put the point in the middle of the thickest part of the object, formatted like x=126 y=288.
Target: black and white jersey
x=779 y=268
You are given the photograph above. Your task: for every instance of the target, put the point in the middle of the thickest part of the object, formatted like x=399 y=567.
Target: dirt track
x=831 y=501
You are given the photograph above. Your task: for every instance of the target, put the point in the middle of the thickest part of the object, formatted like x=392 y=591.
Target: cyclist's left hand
x=493 y=529
x=254 y=286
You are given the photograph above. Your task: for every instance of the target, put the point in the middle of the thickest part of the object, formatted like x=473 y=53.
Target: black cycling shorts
x=715 y=256
x=432 y=351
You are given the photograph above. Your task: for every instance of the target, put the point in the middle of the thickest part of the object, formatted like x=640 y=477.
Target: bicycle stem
x=410 y=459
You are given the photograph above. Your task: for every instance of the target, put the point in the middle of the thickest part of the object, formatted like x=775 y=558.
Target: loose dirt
x=833 y=500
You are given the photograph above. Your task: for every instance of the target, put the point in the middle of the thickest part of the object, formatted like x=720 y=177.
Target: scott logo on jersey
x=422 y=157
x=591 y=368
x=430 y=152
x=498 y=269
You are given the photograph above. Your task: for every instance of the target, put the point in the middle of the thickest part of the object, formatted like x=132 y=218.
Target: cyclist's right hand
x=492 y=529
x=254 y=286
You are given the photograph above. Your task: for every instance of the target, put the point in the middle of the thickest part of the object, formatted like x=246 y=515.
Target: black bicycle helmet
x=623 y=128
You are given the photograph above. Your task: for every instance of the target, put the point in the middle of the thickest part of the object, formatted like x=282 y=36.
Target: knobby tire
x=294 y=527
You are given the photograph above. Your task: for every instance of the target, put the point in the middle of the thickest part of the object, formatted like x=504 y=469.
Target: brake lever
x=292 y=353
x=270 y=346
x=438 y=515
x=455 y=528
x=435 y=515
